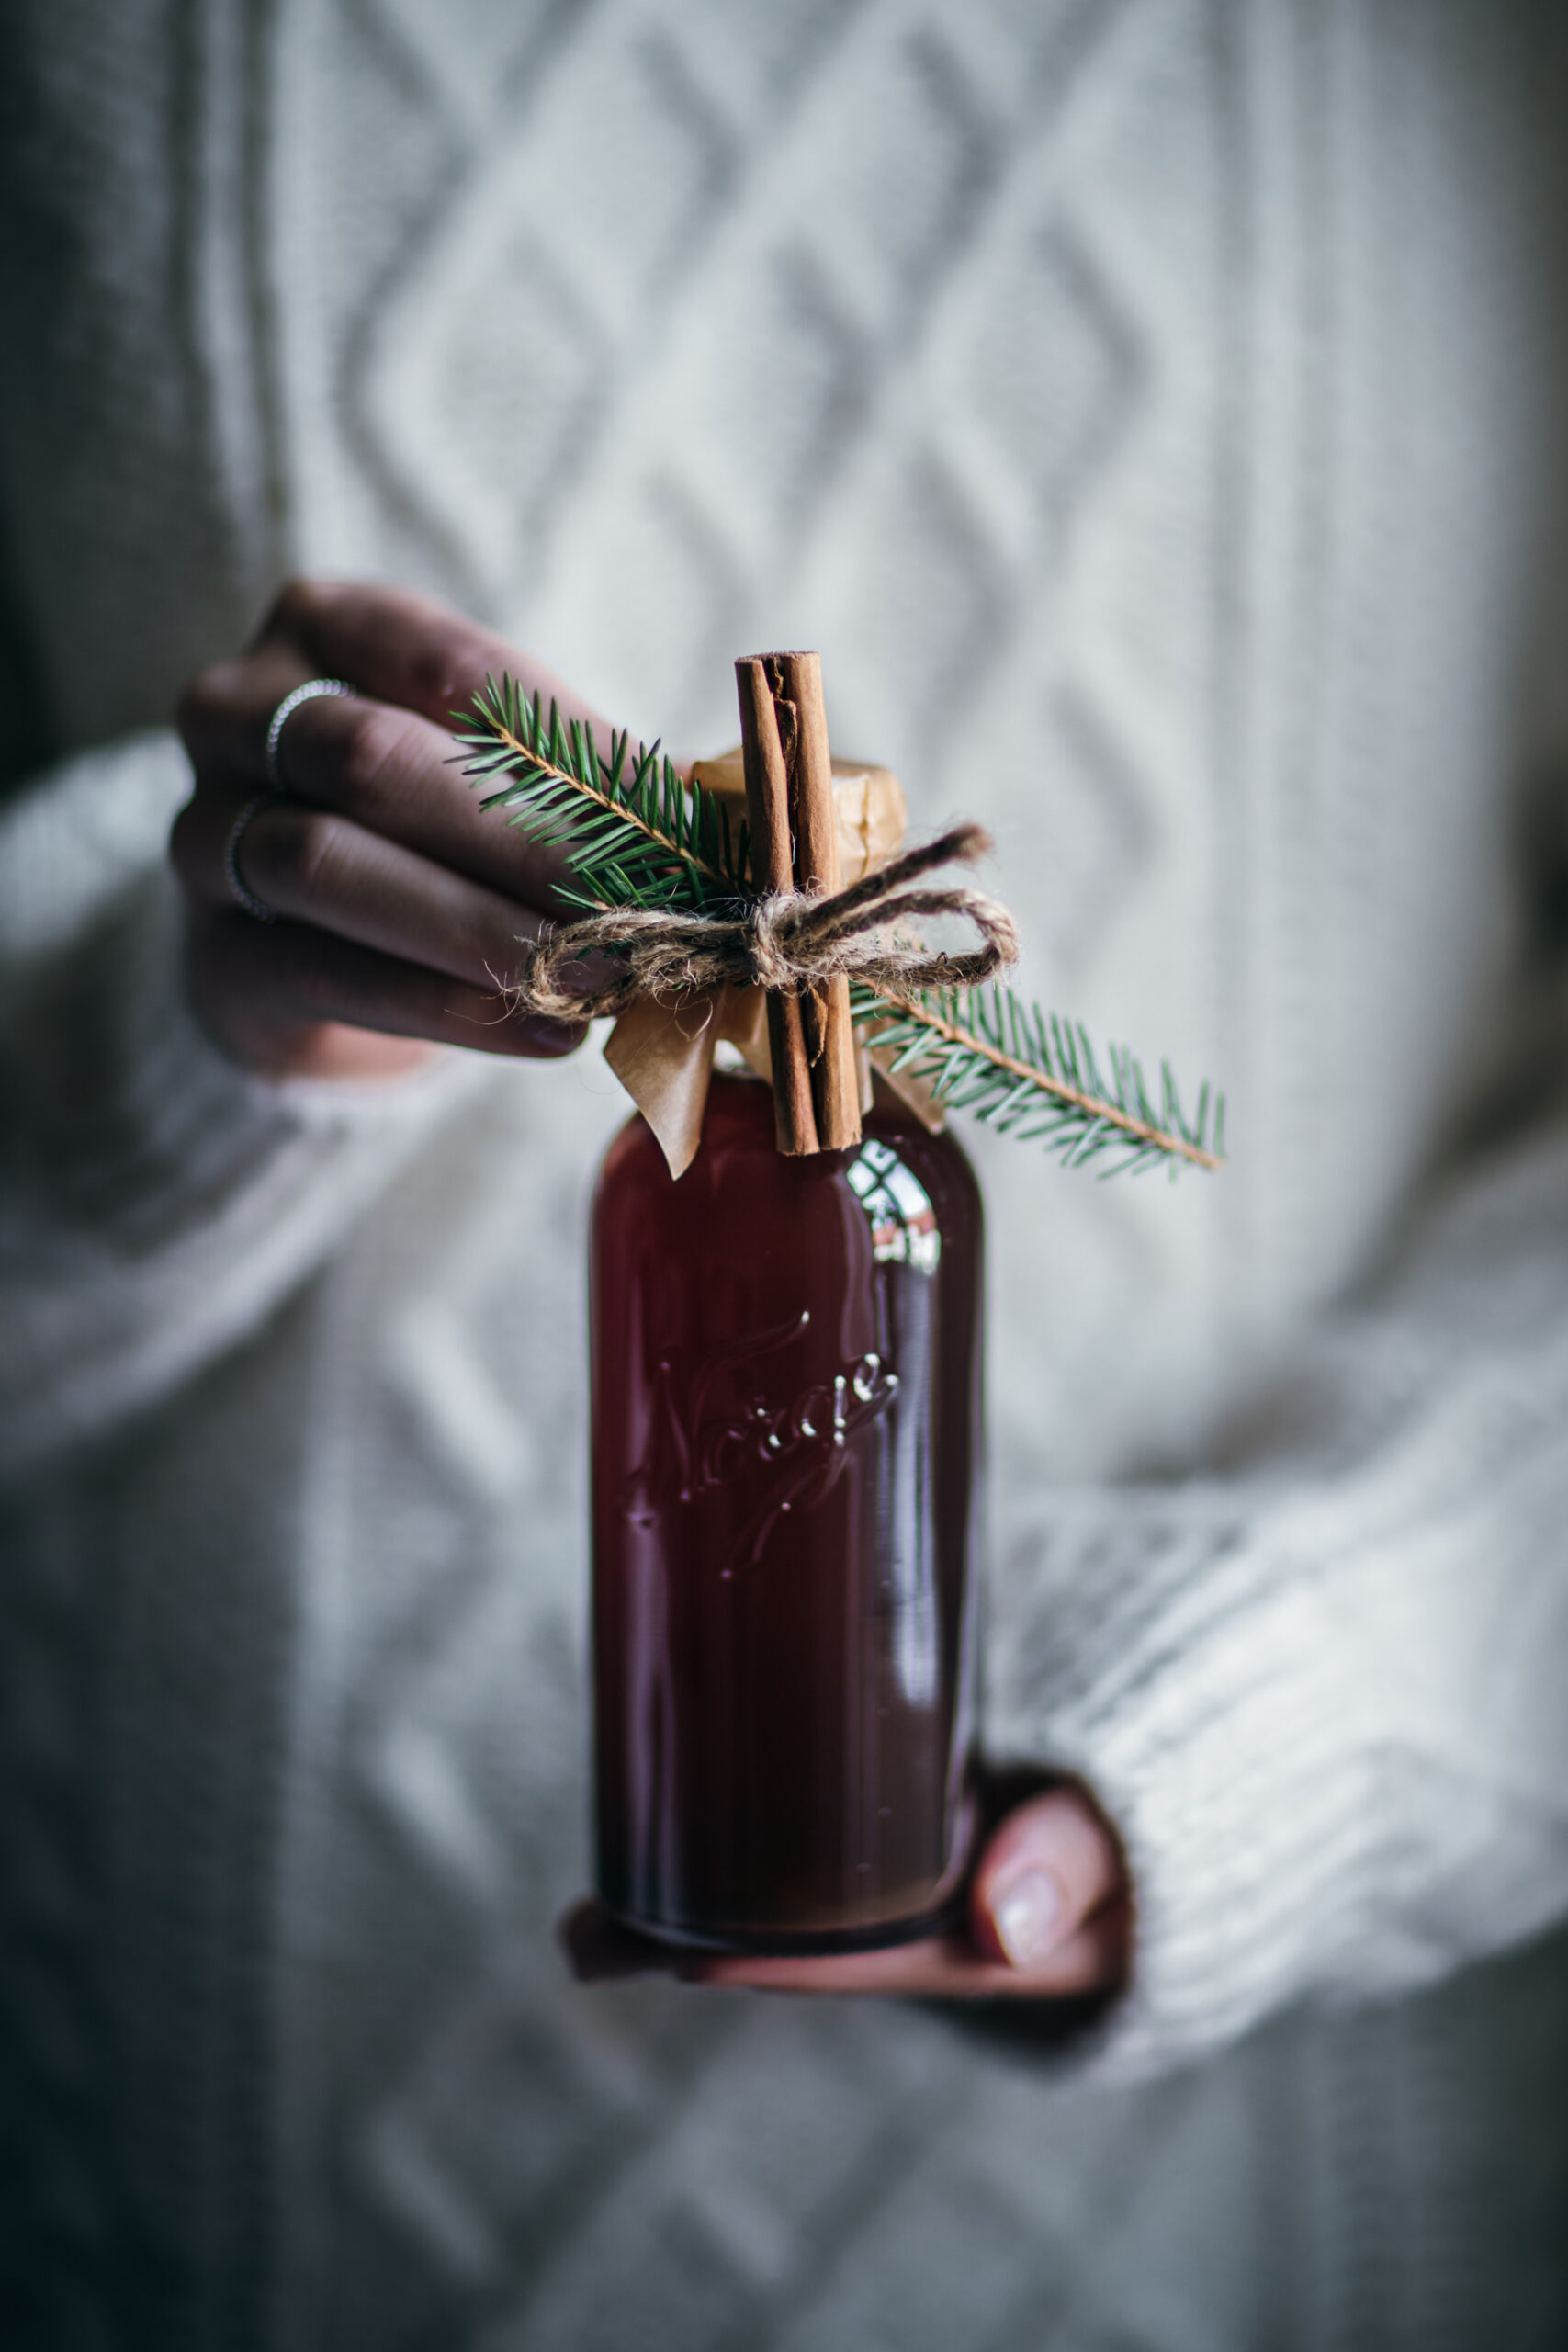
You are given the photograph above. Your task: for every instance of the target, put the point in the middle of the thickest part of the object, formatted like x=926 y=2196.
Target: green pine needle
x=1032 y=1075
x=634 y=834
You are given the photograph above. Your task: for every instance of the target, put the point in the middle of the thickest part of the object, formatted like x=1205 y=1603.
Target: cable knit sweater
x=1148 y=408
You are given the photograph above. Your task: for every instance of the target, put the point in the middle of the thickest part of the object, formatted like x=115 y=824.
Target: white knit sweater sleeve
x=155 y=1202
x=1323 y=1698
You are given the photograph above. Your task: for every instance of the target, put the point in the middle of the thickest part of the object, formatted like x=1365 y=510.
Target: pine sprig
x=633 y=831
x=1033 y=1075
x=634 y=834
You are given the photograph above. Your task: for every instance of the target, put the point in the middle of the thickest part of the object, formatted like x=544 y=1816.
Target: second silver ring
x=239 y=888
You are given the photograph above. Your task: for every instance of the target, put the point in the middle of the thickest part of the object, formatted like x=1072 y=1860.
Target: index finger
x=936 y=1968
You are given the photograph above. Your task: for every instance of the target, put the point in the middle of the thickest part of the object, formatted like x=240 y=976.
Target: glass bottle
x=786 y=1363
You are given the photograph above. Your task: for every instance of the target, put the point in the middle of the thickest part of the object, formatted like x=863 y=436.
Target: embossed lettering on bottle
x=787 y=1452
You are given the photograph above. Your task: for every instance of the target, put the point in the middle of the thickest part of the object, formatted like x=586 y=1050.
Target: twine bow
x=789 y=941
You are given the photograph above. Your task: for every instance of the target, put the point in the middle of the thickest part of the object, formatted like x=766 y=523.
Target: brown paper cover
x=662 y=1053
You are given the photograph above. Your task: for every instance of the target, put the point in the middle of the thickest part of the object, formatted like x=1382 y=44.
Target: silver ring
x=242 y=895
x=285 y=711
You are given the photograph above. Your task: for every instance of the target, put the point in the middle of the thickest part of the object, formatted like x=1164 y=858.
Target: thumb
x=1046 y=1868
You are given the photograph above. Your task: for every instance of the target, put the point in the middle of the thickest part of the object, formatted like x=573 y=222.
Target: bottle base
x=776 y=1943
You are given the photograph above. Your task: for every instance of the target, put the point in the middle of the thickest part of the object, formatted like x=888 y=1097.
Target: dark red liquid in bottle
x=786 y=1443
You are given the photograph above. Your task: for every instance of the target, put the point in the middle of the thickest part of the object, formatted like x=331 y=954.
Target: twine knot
x=789 y=942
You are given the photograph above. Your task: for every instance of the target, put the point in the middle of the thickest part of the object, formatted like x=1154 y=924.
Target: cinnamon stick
x=796 y=683
x=772 y=869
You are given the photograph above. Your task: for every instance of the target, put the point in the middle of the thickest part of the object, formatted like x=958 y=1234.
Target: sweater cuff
x=1193 y=1679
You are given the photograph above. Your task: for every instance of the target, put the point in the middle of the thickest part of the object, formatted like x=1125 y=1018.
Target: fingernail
x=1028 y=1912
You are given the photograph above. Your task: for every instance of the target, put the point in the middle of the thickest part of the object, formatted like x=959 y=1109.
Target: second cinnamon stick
x=796 y=681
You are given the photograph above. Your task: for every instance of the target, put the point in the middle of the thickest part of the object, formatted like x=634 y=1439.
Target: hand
x=402 y=907
x=1049 y=1914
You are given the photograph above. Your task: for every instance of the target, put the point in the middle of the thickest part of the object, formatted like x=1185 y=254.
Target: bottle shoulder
x=738 y=1151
